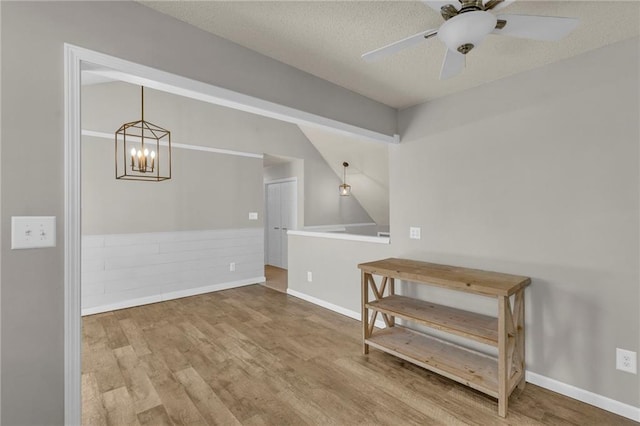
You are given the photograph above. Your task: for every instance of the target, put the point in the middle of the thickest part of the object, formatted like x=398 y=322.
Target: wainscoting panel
x=127 y=270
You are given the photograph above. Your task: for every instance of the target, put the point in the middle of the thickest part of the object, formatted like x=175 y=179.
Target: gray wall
x=535 y=175
x=333 y=263
x=32 y=164
x=206 y=191
x=538 y=175
x=107 y=106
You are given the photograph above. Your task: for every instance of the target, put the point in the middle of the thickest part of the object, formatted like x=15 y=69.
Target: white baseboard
x=335 y=308
x=565 y=389
x=608 y=404
x=170 y=296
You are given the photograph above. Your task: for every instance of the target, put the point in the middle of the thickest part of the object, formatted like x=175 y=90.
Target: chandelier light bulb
x=133 y=152
x=139 y=154
x=146 y=152
x=153 y=154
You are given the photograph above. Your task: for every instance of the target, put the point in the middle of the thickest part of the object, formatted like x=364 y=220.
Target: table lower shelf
x=476 y=370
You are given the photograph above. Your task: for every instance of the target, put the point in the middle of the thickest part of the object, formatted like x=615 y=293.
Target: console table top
x=453 y=277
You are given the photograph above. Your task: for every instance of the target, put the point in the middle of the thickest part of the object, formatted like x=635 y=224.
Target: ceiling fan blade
x=397 y=46
x=546 y=28
x=453 y=64
x=437 y=4
x=497 y=4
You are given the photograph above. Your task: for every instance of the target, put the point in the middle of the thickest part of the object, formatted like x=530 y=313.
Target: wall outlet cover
x=309 y=276
x=253 y=216
x=414 y=233
x=626 y=361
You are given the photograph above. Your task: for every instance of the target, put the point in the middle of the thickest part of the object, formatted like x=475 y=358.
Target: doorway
x=134 y=73
x=281 y=206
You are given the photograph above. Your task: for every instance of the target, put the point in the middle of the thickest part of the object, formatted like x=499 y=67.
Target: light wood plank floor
x=254 y=356
x=277 y=278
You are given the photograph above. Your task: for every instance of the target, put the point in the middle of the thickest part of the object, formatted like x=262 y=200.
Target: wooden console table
x=497 y=377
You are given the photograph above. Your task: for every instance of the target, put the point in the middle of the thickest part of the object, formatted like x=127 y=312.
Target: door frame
x=266 y=211
x=153 y=78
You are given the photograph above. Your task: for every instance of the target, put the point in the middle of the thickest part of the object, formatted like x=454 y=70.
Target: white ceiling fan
x=468 y=23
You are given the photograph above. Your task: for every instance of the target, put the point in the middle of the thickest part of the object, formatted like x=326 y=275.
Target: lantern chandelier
x=143 y=150
x=344 y=189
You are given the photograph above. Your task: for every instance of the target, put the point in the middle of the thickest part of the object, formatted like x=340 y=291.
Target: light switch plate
x=33 y=232
x=253 y=216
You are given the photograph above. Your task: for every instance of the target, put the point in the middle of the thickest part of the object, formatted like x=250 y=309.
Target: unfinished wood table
x=497 y=377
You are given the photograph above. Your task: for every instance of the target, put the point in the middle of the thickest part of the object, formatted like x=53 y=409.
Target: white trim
x=608 y=404
x=337 y=226
x=289 y=179
x=341 y=236
x=110 y=137
x=161 y=80
x=171 y=296
x=72 y=320
x=330 y=306
x=0 y=215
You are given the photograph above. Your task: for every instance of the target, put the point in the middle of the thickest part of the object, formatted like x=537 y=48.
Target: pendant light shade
x=344 y=189
x=143 y=150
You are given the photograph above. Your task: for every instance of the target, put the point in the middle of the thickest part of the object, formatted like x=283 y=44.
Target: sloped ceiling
x=368 y=171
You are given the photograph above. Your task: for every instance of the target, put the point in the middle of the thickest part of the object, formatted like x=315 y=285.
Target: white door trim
x=159 y=80
x=72 y=306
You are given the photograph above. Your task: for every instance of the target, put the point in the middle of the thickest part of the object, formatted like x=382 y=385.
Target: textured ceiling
x=326 y=38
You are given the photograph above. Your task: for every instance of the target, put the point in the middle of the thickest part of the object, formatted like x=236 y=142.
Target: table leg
x=365 y=311
x=503 y=379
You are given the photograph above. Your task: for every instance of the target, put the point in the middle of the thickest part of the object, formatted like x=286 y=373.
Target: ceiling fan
x=467 y=24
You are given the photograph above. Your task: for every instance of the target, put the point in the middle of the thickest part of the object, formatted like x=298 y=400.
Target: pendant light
x=143 y=150
x=344 y=189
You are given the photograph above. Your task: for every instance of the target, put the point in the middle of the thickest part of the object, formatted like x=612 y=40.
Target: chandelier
x=143 y=150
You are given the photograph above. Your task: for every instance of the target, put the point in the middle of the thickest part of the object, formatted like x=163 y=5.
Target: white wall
x=120 y=271
x=537 y=175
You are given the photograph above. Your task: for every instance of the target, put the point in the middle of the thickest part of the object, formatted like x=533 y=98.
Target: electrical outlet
x=309 y=276
x=626 y=361
x=232 y=266
x=414 y=233
x=253 y=216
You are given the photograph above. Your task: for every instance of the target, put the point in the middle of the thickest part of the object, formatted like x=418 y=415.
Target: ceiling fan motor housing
x=466 y=30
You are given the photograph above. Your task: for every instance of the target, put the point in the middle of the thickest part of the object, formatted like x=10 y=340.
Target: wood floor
x=254 y=356
x=277 y=278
